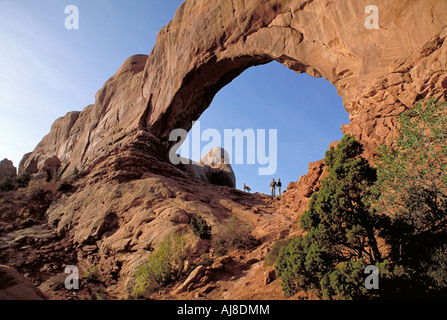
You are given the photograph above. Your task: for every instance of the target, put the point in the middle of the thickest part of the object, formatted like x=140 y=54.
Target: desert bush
x=26 y=218
x=7 y=184
x=437 y=268
x=302 y=264
x=10 y=184
x=41 y=190
x=234 y=234
x=346 y=282
x=92 y=275
x=412 y=183
x=162 y=267
x=23 y=180
x=204 y=260
x=272 y=255
x=200 y=227
x=412 y=191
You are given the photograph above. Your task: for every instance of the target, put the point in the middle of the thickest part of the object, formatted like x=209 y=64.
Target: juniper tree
x=340 y=223
x=341 y=212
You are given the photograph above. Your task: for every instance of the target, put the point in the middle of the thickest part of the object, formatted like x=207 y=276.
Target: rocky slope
x=127 y=194
x=112 y=227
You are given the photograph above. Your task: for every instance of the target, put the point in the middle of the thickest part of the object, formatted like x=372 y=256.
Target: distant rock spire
x=7 y=169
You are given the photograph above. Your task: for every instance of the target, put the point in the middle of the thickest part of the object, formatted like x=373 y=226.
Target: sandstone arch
x=321 y=38
x=378 y=73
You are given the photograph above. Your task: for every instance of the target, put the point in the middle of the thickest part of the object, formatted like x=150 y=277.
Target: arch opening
x=306 y=113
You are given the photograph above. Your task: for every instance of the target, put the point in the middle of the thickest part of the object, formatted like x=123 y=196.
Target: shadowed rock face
x=379 y=73
x=13 y=286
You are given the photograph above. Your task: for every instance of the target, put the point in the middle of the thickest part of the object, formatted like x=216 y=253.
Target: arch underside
x=200 y=85
x=203 y=52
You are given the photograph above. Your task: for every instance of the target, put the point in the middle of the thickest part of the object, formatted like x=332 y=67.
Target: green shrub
x=301 y=265
x=23 y=180
x=412 y=191
x=290 y=266
x=163 y=266
x=234 y=234
x=7 y=184
x=41 y=190
x=345 y=283
x=437 y=268
x=200 y=227
x=340 y=224
x=272 y=255
x=412 y=183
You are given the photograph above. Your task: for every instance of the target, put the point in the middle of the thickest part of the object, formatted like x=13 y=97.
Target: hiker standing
x=279 y=185
x=273 y=187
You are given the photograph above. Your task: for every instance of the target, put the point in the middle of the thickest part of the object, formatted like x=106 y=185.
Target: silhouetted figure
x=247 y=188
x=279 y=185
x=273 y=187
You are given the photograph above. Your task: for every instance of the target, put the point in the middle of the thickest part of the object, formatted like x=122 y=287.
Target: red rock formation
x=122 y=140
x=7 y=169
x=296 y=199
x=379 y=73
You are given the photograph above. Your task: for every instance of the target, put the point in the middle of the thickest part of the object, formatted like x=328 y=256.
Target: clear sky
x=47 y=71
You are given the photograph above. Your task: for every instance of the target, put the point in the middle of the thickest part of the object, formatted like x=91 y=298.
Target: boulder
x=51 y=166
x=192 y=279
x=14 y=286
x=214 y=168
x=269 y=276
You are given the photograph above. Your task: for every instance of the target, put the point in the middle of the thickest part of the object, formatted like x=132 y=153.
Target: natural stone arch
x=209 y=43
x=378 y=73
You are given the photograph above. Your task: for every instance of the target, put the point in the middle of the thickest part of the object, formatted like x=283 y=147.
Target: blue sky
x=47 y=71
